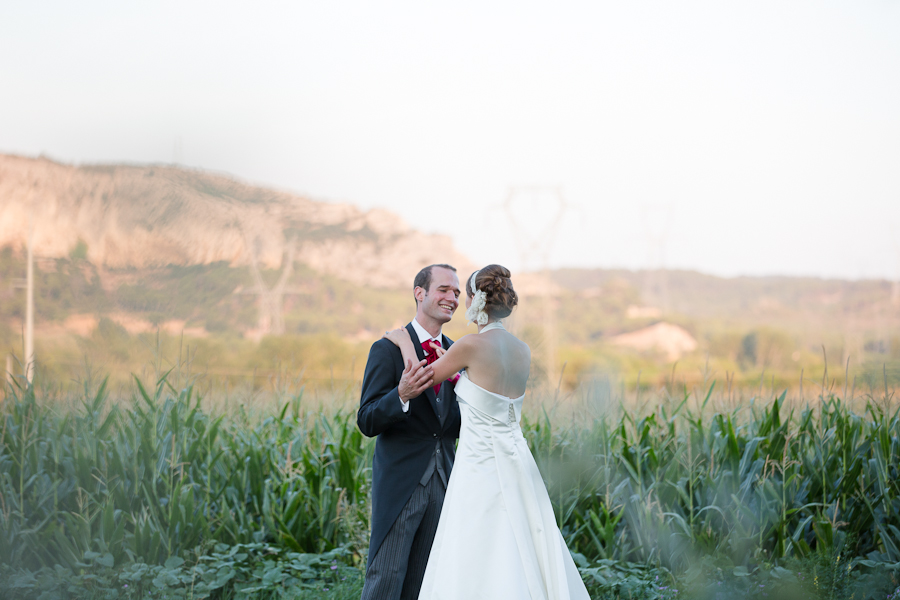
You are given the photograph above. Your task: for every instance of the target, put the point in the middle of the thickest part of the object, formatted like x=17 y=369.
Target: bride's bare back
x=499 y=362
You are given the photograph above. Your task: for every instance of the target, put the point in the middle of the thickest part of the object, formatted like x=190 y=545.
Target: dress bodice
x=497 y=527
x=501 y=408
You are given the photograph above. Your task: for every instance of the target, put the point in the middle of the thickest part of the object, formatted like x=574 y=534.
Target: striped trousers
x=398 y=568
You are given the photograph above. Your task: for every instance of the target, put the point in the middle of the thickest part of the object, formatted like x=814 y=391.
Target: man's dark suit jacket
x=406 y=440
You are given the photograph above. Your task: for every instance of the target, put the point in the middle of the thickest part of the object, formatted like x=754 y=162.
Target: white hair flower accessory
x=475 y=313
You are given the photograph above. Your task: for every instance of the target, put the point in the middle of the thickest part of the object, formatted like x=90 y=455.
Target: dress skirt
x=497 y=537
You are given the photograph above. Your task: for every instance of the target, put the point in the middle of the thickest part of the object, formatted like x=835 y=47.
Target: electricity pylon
x=271 y=300
x=178 y=151
x=657 y=221
x=535 y=247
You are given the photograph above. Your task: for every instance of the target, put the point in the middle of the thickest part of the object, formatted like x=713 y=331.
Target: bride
x=497 y=536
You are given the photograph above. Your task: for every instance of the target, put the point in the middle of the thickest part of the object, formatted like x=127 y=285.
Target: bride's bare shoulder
x=518 y=341
x=474 y=342
x=466 y=341
x=516 y=345
x=524 y=348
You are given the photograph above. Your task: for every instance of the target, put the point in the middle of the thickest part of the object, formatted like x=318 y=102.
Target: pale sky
x=751 y=138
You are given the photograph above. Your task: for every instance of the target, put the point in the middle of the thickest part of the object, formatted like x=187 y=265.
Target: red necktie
x=428 y=347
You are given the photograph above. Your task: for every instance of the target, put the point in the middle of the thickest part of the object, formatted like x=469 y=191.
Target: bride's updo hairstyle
x=495 y=282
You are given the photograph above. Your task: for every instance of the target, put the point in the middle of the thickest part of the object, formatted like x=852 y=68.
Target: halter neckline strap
x=490 y=326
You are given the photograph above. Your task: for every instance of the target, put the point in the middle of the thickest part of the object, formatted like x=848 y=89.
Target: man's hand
x=416 y=379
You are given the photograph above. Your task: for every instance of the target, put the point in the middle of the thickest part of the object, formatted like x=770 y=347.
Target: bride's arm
x=400 y=338
x=449 y=363
x=454 y=359
x=440 y=352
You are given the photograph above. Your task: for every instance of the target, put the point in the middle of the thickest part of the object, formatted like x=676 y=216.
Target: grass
x=174 y=497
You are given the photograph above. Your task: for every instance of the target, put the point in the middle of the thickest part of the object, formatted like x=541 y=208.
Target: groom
x=416 y=425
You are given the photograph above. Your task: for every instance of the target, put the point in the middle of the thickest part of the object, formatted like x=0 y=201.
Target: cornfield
x=157 y=478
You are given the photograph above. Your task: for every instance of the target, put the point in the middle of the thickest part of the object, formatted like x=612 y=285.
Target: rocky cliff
x=146 y=216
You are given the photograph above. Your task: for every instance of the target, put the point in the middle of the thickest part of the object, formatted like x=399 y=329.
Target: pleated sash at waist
x=501 y=408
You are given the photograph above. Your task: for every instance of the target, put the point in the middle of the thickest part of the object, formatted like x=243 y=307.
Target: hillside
x=130 y=216
x=829 y=305
x=124 y=251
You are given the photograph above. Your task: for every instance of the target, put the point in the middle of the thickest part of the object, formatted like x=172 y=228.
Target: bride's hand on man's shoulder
x=397 y=335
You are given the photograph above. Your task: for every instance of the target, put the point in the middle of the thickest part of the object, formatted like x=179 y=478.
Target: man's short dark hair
x=423 y=278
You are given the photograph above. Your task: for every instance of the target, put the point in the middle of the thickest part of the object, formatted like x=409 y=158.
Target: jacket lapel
x=429 y=393
x=446 y=387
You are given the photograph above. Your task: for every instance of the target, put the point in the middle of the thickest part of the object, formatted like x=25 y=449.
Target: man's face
x=441 y=301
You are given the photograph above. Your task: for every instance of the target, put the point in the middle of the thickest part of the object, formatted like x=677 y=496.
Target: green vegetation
x=747 y=329
x=62 y=287
x=137 y=488
x=158 y=495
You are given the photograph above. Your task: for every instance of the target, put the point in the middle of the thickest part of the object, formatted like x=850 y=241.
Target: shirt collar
x=424 y=336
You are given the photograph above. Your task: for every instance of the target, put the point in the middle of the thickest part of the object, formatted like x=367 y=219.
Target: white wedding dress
x=497 y=537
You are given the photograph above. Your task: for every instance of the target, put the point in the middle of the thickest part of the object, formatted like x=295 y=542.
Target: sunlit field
x=163 y=492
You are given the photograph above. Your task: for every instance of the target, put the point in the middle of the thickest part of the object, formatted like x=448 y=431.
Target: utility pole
x=29 y=307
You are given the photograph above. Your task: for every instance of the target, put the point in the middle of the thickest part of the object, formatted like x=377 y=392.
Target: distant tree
x=80 y=251
x=749 y=345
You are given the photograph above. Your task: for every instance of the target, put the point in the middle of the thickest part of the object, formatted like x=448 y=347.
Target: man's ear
x=419 y=294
